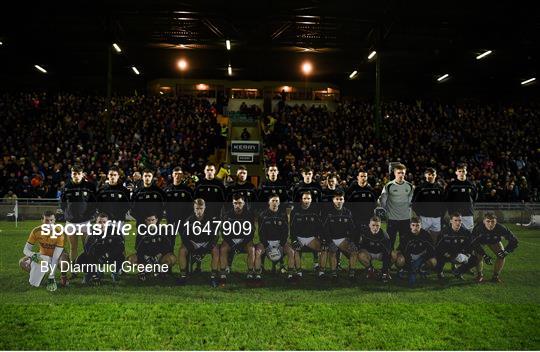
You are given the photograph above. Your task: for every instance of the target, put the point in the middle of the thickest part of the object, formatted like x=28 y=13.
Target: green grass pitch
x=311 y=315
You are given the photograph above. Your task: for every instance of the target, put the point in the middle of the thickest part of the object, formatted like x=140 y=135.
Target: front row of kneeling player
x=327 y=232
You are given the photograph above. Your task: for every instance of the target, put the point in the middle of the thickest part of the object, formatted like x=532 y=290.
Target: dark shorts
x=199 y=248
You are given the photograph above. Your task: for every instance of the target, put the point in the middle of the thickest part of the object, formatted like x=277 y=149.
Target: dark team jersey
x=454 y=242
x=200 y=230
x=236 y=224
x=428 y=200
x=273 y=226
x=338 y=223
x=152 y=245
x=419 y=244
x=113 y=201
x=78 y=201
x=375 y=243
x=328 y=194
x=484 y=236
x=179 y=202
x=212 y=191
x=305 y=222
x=362 y=202
x=314 y=188
x=269 y=188
x=246 y=189
x=147 y=201
x=461 y=196
x=109 y=244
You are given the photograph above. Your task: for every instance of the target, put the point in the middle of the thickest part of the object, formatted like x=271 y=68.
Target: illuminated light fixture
x=287 y=89
x=182 y=64
x=307 y=67
x=372 y=55
x=40 y=68
x=135 y=70
x=117 y=48
x=202 y=86
x=483 y=55
x=527 y=81
x=228 y=44
x=443 y=77
x=1 y=43
x=160 y=92
x=229 y=70
x=353 y=74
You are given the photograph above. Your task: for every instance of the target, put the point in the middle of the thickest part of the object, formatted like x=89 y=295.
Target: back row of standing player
x=81 y=200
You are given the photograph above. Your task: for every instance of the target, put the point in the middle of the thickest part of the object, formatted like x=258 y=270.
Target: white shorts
x=273 y=243
x=431 y=224
x=198 y=245
x=467 y=222
x=462 y=258
x=237 y=240
x=82 y=228
x=36 y=272
x=375 y=256
x=305 y=240
x=338 y=241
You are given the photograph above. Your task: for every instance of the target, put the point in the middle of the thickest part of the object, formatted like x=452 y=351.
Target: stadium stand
x=498 y=143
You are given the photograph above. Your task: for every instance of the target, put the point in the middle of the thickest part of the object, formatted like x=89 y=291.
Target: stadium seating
x=43 y=135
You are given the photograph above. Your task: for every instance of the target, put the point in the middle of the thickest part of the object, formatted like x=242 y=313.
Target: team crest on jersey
x=85 y=193
x=215 y=190
x=432 y=192
x=279 y=222
x=76 y=193
x=315 y=191
x=155 y=195
x=147 y=196
x=176 y=194
x=312 y=219
x=463 y=190
x=363 y=195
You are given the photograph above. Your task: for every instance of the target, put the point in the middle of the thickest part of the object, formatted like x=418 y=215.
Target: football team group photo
x=269 y=175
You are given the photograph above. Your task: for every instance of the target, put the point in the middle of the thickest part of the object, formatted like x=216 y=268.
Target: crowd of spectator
x=500 y=144
x=43 y=136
